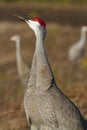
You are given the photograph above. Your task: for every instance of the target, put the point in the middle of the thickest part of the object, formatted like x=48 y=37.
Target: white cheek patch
x=33 y=24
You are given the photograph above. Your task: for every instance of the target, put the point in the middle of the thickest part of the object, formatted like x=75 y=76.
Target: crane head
x=35 y=23
x=84 y=28
x=39 y=20
x=15 y=38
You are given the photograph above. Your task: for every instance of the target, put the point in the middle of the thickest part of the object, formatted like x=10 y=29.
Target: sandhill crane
x=22 y=66
x=76 y=51
x=51 y=107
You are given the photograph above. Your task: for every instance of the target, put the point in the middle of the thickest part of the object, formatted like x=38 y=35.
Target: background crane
x=76 y=51
x=22 y=66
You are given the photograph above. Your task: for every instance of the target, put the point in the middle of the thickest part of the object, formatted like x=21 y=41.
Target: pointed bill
x=22 y=16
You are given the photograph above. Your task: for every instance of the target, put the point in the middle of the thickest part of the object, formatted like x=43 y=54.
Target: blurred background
x=64 y=19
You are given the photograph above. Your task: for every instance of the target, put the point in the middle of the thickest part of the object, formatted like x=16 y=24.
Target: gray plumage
x=22 y=66
x=45 y=105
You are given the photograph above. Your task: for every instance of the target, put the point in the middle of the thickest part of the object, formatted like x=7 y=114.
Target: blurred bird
x=76 y=51
x=45 y=104
x=22 y=66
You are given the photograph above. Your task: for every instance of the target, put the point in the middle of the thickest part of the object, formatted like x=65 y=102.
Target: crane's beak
x=22 y=16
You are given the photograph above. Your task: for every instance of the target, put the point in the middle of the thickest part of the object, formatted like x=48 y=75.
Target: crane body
x=45 y=104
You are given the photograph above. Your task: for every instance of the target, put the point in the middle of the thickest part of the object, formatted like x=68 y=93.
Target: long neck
x=83 y=38
x=44 y=72
x=32 y=79
x=18 y=54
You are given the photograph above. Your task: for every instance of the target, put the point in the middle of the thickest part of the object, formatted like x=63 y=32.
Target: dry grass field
x=57 y=43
